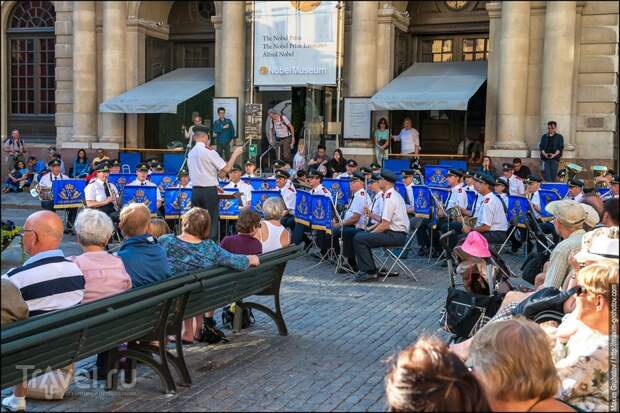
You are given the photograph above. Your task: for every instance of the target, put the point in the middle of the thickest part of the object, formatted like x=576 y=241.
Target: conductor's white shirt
x=203 y=165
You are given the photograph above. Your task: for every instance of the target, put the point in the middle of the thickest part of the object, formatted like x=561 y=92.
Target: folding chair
x=396 y=258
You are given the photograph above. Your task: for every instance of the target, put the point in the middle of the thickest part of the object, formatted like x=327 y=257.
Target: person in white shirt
x=376 y=205
x=142 y=173
x=299 y=160
x=183 y=182
x=289 y=195
x=390 y=232
x=409 y=138
x=351 y=167
x=575 y=189
x=456 y=199
x=236 y=183
x=102 y=195
x=194 y=129
x=501 y=188
x=515 y=184
x=204 y=164
x=250 y=168
x=45 y=187
x=532 y=185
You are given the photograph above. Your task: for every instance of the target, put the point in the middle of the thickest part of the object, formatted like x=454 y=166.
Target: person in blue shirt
x=145 y=260
x=223 y=133
x=81 y=165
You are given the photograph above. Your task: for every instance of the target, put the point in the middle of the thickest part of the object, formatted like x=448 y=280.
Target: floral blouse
x=583 y=365
x=185 y=256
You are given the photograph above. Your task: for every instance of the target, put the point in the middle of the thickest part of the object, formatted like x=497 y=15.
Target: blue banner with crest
x=422 y=201
x=120 y=180
x=442 y=194
x=517 y=210
x=321 y=207
x=303 y=212
x=177 y=202
x=146 y=195
x=546 y=197
x=339 y=189
x=560 y=187
x=163 y=181
x=471 y=199
x=262 y=184
x=229 y=207
x=259 y=197
x=68 y=193
x=435 y=175
x=400 y=187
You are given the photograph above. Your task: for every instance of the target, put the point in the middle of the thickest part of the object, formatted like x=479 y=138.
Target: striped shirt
x=48 y=282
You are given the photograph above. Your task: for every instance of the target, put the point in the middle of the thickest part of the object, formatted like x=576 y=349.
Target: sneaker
x=382 y=273
x=364 y=276
x=14 y=404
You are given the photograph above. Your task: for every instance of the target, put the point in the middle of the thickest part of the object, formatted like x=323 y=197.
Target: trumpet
x=599 y=172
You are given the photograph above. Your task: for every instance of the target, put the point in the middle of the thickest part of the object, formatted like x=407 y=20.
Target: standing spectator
x=223 y=133
x=101 y=156
x=81 y=165
x=426 y=377
x=299 y=160
x=47 y=280
x=280 y=133
x=245 y=242
x=18 y=178
x=144 y=259
x=512 y=360
x=337 y=164
x=273 y=235
x=14 y=307
x=409 y=138
x=382 y=141
x=194 y=129
x=551 y=147
x=520 y=170
x=14 y=147
x=319 y=158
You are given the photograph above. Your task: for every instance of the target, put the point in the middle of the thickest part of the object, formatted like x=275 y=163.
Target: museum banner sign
x=295 y=43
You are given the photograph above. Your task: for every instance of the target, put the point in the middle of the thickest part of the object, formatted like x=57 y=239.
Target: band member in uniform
x=390 y=232
x=515 y=183
x=47 y=197
x=114 y=166
x=235 y=182
x=575 y=189
x=204 y=164
x=351 y=167
x=184 y=182
x=301 y=180
x=457 y=201
x=366 y=171
x=354 y=219
x=501 y=188
x=614 y=188
x=101 y=194
x=250 y=168
x=289 y=195
x=376 y=205
x=468 y=179
x=142 y=171
x=316 y=188
x=375 y=168
x=532 y=185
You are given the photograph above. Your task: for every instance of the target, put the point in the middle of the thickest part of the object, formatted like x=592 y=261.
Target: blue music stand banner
x=173 y=162
x=129 y=160
x=396 y=165
x=163 y=181
x=400 y=187
x=229 y=207
x=517 y=210
x=303 y=212
x=259 y=197
x=435 y=175
x=68 y=193
x=422 y=201
x=177 y=202
x=560 y=187
x=602 y=191
x=441 y=193
x=120 y=180
x=262 y=184
x=321 y=213
x=339 y=189
x=471 y=199
x=546 y=197
x=146 y=195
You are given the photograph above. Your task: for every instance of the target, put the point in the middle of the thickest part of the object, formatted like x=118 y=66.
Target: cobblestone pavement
x=341 y=338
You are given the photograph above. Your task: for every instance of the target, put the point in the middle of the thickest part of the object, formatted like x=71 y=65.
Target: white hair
x=93 y=227
x=273 y=208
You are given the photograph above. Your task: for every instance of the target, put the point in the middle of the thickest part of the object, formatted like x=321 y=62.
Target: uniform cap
x=374 y=178
x=183 y=172
x=358 y=176
x=501 y=181
x=532 y=178
x=280 y=173
x=249 y=162
x=365 y=169
x=236 y=167
x=484 y=178
x=407 y=172
x=375 y=165
x=54 y=162
x=315 y=173
x=142 y=166
x=388 y=176
x=576 y=182
x=508 y=167
x=115 y=162
x=352 y=162
x=157 y=165
x=102 y=167
x=278 y=164
x=455 y=172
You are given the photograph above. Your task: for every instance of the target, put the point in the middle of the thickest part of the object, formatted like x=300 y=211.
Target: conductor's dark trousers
x=206 y=197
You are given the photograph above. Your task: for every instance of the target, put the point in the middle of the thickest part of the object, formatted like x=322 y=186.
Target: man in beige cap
x=569 y=218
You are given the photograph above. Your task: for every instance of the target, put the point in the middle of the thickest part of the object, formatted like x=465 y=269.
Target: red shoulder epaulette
x=460 y=190
x=291 y=189
x=486 y=201
x=388 y=195
x=325 y=190
x=362 y=193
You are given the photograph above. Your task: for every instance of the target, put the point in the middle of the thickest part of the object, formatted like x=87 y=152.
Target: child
x=299 y=161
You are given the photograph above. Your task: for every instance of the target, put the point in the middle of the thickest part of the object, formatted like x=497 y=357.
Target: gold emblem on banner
x=69 y=193
x=302 y=206
x=305 y=6
x=319 y=212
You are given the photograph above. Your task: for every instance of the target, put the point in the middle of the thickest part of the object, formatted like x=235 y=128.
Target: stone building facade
x=546 y=60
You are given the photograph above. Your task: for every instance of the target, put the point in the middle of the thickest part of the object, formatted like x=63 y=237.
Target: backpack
x=228 y=317
x=211 y=335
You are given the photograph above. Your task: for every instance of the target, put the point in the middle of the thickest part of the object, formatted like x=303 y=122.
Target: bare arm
x=382 y=226
x=238 y=151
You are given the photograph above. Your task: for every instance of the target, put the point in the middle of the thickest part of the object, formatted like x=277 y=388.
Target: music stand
x=438 y=205
x=330 y=255
x=220 y=196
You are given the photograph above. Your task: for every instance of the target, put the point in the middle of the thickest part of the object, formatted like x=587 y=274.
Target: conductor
x=204 y=164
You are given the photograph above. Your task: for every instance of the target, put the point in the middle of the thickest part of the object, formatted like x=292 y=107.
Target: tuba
x=599 y=171
x=569 y=172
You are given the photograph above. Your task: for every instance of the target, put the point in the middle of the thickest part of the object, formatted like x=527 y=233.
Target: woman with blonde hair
x=512 y=360
x=272 y=234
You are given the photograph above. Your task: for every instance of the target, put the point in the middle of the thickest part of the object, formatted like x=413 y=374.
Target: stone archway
x=7 y=7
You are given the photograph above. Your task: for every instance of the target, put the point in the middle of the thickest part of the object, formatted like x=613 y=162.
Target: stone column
x=113 y=65
x=363 y=72
x=84 y=72
x=512 y=88
x=558 y=68
x=230 y=56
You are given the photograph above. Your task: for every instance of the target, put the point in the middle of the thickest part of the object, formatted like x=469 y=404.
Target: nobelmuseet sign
x=295 y=43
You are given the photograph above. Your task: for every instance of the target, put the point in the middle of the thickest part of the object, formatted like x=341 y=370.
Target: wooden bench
x=138 y=317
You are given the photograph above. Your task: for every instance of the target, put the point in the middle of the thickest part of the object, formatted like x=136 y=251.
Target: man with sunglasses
x=551 y=147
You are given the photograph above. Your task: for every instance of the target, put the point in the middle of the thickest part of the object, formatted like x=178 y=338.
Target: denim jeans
x=551 y=169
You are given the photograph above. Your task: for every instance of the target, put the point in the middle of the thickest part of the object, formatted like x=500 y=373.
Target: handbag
x=547 y=303
x=465 y=313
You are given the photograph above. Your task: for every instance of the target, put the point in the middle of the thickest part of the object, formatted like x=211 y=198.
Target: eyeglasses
x=24 y=230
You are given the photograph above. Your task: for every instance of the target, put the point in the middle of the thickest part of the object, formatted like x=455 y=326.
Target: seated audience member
x=81 y=165
x=194 y=251
x=159 y=227
x=426 y=377
x=101 y=156
x=104 y=274
x=511 y=358
x=522 y=171
x=611 y=212
x=272 y=234
x=13 y=306
x=18 y=178
x=594 y=200
x=245 y=241
x=47 y=280
x=486 y=167
x=144 y=259
x=581 y=350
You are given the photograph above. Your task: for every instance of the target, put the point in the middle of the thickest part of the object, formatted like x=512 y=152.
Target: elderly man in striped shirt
x=47 y=280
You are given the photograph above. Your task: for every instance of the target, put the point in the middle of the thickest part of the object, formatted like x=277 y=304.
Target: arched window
x=30 y=35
